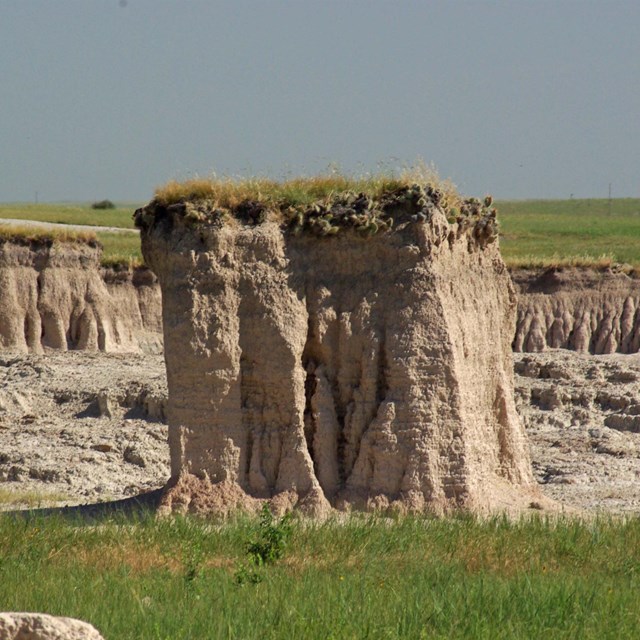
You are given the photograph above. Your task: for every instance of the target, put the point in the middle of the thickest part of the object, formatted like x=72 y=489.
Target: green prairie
x=118 y=248
x=533 y=232
x=121 y=216
x=366 y=577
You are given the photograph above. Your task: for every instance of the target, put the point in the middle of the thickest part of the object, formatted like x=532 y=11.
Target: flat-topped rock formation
x=55 y=295
x=353 y=354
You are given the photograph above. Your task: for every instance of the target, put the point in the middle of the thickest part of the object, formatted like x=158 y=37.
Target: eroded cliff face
x=345 y=371
x=56 y=296
x=580 y=309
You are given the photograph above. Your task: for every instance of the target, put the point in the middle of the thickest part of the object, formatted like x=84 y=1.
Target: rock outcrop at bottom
x=54 y=295
x=579 y=309
x=349 y=372
x=40 y=626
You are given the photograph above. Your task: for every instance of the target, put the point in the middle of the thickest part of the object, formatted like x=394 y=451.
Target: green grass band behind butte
x=533 y=232
x=540 y=232
x=118 y=248
x=62 y=213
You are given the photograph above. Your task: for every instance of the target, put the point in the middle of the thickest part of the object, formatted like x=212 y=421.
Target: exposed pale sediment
x=54 y=295
x=61 y=298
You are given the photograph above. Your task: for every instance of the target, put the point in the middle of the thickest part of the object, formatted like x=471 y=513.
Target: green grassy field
x=121 y=216
x=366 y=578
x=119 y=248
x=555 y=231
x=533 y=232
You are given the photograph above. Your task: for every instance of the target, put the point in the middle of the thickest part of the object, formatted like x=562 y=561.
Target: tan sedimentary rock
x=40 y=626
x=342 y=371
x=579 y=309
x=55 y=295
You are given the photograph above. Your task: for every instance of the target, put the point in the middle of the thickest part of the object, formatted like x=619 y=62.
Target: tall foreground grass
x=364 y=578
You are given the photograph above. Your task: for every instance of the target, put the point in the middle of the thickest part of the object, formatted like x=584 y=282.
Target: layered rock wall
x=345 y=371
x=55 y=296
x=60 y=298
x=579 y=309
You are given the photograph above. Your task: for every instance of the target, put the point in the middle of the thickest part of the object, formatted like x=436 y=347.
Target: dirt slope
x=582 y=415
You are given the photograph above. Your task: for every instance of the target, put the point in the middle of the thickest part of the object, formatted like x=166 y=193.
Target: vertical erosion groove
x=601 y=320
x=310 y=385
x=246 y=421
x=342 y=399
x=382 y=386
x=28 y=338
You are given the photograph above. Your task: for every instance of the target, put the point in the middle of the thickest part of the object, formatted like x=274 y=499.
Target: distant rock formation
x=365 y=368
x=55 y=295
x=580 y=309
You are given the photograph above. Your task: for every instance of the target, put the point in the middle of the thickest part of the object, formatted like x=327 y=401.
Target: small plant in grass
x=193 y=553
x=273 y=537
x=270 y=545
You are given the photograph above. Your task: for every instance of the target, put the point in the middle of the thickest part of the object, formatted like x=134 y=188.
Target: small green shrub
x=273 y=536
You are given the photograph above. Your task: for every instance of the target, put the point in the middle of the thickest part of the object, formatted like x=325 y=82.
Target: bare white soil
x=582 y=416
x=82 y=427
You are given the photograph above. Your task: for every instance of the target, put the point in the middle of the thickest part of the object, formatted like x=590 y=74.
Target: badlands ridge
x=302 y=370
x=58 y=296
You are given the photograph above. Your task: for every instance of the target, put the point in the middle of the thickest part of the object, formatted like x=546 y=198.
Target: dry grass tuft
x=603 y=262
x=228 y=192
x=122 y=262
x=27 y=235
x=138 y=558
x=14 y=498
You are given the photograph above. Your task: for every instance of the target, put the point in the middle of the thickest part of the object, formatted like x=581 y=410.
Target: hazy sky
x=522 y=99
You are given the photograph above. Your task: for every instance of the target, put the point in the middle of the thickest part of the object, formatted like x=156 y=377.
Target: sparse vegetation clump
x=266 y=548
x=323 y=205
x=103 y=204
